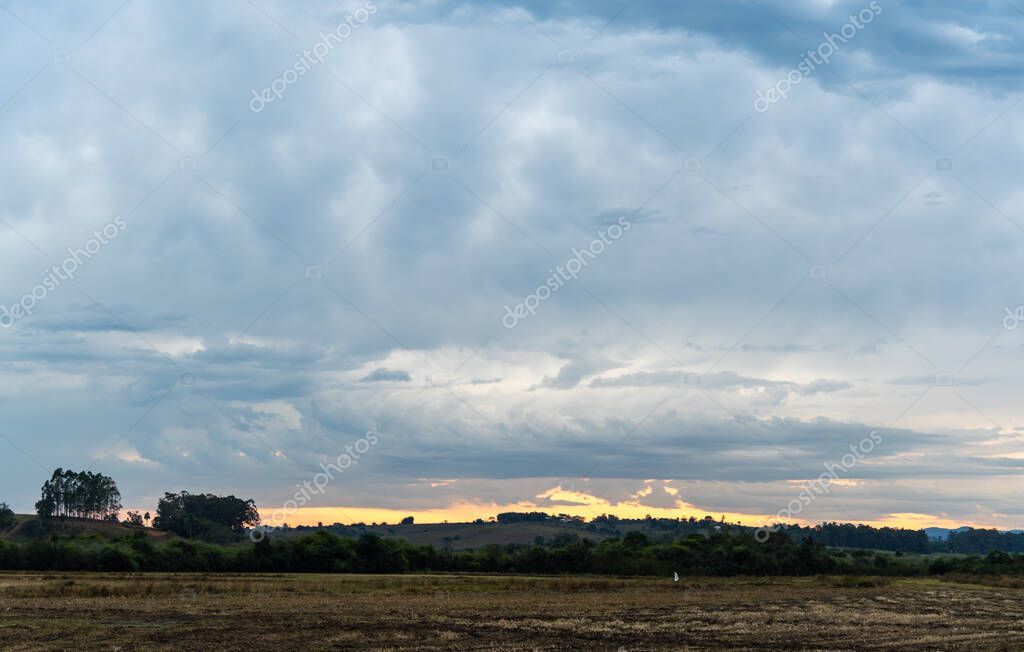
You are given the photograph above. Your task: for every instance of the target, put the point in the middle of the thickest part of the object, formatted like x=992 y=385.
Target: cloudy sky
x=304 y=222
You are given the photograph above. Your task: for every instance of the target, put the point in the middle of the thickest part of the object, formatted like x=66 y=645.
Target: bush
x=7 y=519
x=115 y=558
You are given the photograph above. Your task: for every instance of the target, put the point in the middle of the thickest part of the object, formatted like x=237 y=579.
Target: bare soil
x=44 y=611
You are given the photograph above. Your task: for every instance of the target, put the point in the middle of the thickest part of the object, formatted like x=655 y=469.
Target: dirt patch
x=463 y=612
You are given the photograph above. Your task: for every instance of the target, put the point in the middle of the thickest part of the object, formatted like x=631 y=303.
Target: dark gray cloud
x=386 y=375
x=972 y=44
x=572 y=373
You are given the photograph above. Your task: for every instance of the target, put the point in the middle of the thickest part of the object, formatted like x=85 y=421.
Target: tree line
x=969 y=541
x=721 y=554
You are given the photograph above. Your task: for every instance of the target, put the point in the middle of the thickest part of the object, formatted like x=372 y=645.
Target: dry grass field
x=456 y=612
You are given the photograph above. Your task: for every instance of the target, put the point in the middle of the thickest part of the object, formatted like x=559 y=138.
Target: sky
x=447 y=258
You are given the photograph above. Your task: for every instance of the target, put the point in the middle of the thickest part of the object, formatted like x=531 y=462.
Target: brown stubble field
x=455 y=612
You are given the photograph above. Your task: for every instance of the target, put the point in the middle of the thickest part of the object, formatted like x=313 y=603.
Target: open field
x=451 y=612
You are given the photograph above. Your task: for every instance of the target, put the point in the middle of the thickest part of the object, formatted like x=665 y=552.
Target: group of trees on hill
x=535 y=517
x=982 y=541
x=81 y=494
x=847 y=535
x=969 y=541
x=205 y=516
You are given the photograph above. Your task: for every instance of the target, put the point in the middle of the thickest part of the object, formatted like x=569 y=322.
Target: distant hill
x=465 y=536
x=30 y=526
x=451 y=536
x=942 y=534
x=560 y=532
x=462 y=536
x=555 y=531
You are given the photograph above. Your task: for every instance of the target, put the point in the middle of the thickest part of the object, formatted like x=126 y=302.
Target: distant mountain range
x=942 y=533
